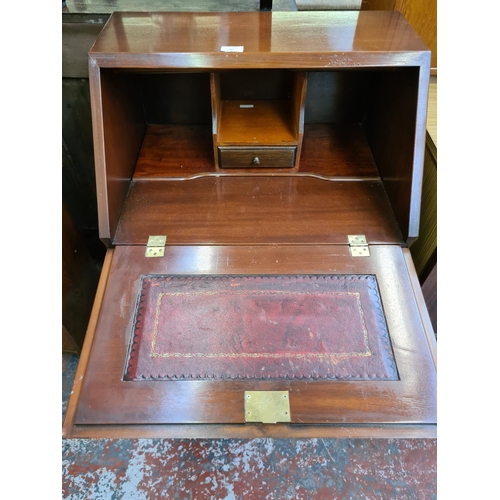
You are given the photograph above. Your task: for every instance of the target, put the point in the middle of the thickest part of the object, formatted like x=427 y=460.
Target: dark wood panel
x=105 y=398
x=375 y=38
x=337 y=150
x=422 y=15
x=256 y=84
x=119 y=126
x=299 y=104
x=424 y=314
x=298 y=223
x=329 y=150
x=337 y=97
x=175 y=150
x=378 y=4
x=397 y=139
x=263 y=209
x=216 y=113
x=177 y=98
x=69 y=417
x=264 y=157
x=266 y=122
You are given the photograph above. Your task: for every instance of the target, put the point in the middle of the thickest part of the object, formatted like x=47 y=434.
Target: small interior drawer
x=257 y=157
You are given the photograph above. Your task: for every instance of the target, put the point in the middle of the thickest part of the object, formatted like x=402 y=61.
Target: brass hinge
x=358 y=245
x=267 y=407
x=156 y=246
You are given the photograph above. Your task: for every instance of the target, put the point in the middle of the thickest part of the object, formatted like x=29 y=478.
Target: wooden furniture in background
x=161 y=86
x=80 y=275
x=421 y=14
x=424 y=250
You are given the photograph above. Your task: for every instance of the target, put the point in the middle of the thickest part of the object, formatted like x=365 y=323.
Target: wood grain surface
x=432 y=110
x=176 y=151
x=69 y=418
x=422 y=15
x=257 y=157
x=182 y=150
x=249 y=431
x=256 y=210
x=106 y=399
x=368 y=181
x=379 y=4
x=371 y=40
x=337 y=150
x=266 y=122
x=119 y=126
x=321 y=40
x=395 y=129
x=424 y=315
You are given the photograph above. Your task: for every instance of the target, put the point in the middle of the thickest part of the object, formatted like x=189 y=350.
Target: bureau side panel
x=119 y=127
x=395 y=129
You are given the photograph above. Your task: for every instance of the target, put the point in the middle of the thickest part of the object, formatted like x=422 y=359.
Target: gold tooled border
x=332 y=356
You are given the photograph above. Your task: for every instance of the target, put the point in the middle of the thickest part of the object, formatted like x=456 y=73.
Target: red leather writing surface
x=278 y=327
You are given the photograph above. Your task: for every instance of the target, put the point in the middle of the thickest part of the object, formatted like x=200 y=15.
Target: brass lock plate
x=267 y=407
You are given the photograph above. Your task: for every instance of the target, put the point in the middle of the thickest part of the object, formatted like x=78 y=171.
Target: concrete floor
x=137 y=469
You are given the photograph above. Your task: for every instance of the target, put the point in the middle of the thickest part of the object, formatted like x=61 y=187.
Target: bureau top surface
x=274 y=39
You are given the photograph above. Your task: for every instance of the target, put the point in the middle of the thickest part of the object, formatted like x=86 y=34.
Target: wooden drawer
x=265 y=157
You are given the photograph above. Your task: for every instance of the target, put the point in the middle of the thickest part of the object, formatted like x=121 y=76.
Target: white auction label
x=232 y=48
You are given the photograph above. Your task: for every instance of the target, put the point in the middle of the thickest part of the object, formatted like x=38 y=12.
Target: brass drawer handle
x=256 y=161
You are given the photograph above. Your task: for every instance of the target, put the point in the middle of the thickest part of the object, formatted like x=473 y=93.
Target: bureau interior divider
x=258 y=118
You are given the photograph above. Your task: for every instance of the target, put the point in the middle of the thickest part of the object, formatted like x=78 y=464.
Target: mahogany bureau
x=259 y=183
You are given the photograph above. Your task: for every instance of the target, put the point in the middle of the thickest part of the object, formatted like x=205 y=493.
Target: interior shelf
x=337 y=150
x=186 y=150
x=175 y=151
x=267 y=122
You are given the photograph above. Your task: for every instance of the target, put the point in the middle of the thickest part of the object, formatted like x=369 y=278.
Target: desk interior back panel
x=175 y=151
x=176 y=98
